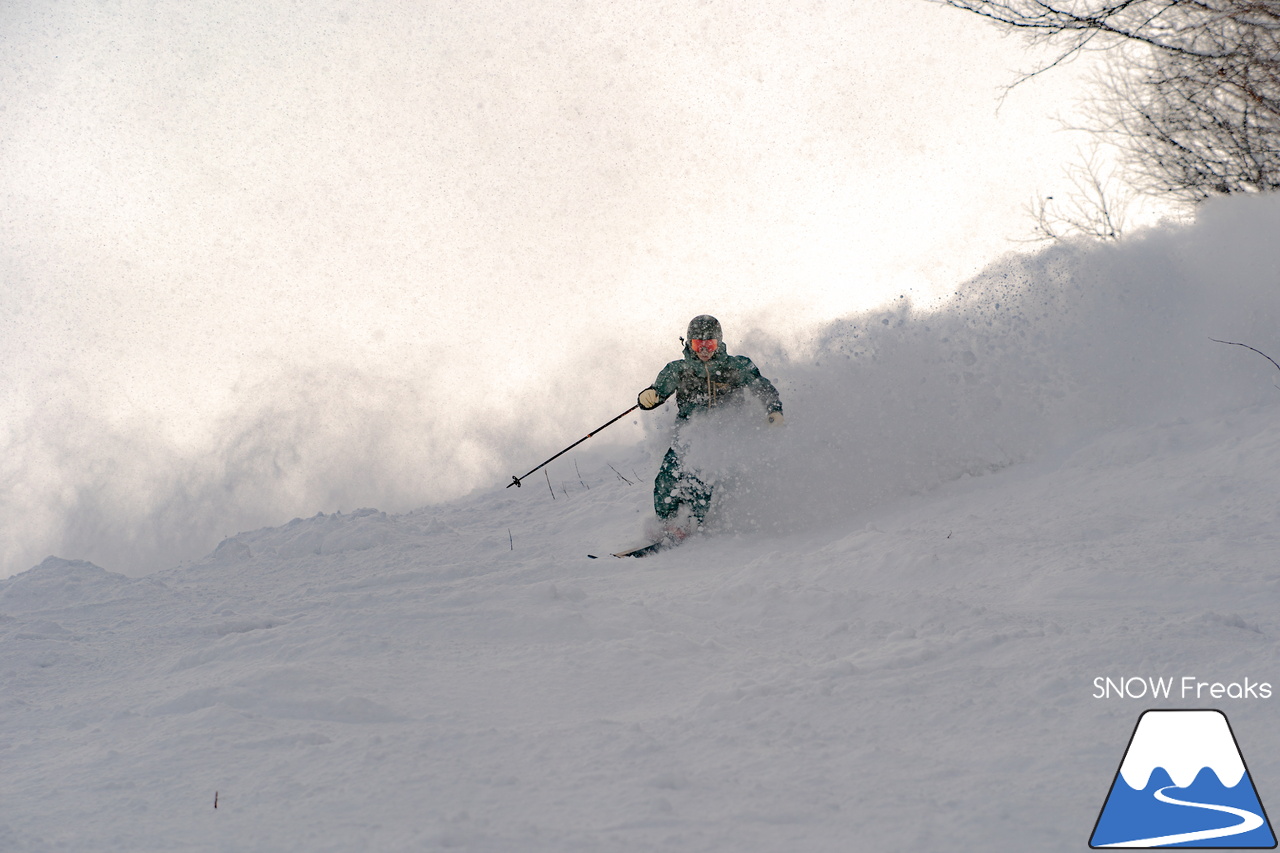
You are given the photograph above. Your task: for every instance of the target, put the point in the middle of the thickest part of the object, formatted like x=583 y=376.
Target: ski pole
x=515 y=481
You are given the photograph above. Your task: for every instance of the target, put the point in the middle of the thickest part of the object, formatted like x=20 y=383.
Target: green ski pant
x=675 y=486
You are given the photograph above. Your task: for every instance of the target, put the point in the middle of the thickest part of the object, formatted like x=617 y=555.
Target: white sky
x=483 y=198
x=353 y=179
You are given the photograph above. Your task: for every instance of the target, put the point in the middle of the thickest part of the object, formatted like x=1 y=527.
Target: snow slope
x=916 y=678
x=889 y=641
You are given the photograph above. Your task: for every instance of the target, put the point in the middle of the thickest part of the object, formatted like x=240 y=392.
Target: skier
x=705 y=378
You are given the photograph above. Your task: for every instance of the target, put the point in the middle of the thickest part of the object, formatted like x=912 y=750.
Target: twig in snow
x=1246 y=346
x=553 y=491
x=579 y=473
x=511 y=539
x=215 y=799
x=620 y=477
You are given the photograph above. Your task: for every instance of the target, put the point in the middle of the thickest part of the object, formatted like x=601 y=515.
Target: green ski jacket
x=719 y=380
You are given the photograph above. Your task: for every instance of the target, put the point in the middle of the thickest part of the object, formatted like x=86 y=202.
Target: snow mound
x=57 y=583
x=1036 y=355
x=324 y=534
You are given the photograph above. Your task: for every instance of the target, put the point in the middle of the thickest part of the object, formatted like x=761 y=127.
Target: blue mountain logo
x=1183 y=783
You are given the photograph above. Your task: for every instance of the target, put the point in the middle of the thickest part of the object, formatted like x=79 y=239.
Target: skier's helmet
x=704 y=327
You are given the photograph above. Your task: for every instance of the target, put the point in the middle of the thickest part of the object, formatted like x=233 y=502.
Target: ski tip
x=639 y=550
x=644 y=550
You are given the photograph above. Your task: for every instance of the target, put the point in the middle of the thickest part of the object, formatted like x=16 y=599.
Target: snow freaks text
x=1186 y=687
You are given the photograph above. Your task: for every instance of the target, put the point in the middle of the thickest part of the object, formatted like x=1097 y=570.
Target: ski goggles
x=704 y=344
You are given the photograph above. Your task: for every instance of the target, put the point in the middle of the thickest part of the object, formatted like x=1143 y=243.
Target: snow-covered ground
x=889 y=641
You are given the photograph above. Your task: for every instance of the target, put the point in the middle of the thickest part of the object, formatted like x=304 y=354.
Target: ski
x=644 y=550
x=638 y=551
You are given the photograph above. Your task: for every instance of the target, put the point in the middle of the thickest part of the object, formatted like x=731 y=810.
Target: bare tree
x=1096 y=207
x=1191 y=94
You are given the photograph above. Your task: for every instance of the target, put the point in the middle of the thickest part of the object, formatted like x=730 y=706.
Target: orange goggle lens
x=704 y=344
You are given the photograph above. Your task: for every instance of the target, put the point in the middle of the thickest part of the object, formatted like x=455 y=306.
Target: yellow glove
x=775 y=419
x=649 y=399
